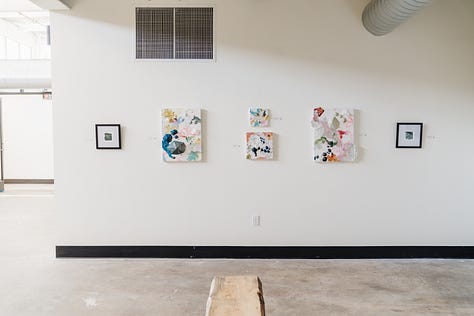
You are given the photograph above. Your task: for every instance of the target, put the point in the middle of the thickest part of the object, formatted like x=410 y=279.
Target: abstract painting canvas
x=259 y=145
x=333 y=135
x=259 y=117
x=181 y=135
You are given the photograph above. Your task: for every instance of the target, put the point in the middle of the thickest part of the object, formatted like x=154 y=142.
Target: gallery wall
x=27 y=137
x=288 y=56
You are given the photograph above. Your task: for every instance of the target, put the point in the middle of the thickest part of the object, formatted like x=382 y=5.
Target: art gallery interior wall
x=28 y=137
x=288 y=56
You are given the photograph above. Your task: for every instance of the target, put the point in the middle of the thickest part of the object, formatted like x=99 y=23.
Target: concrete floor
x=32 y=282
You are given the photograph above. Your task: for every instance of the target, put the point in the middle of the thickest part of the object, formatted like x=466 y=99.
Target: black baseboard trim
x=29 y=181
x=217 y=252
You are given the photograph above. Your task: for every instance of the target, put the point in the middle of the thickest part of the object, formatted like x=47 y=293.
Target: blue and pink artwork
x=181 y=135
x=259 y=117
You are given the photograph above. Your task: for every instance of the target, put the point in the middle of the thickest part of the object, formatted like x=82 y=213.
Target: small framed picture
x=107 y=136
x=409 y=135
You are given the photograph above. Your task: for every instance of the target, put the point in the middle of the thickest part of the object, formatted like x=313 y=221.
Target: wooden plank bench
x=235 y=296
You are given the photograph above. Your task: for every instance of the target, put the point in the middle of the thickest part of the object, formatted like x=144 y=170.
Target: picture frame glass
x=409 y=135
x=108 y=137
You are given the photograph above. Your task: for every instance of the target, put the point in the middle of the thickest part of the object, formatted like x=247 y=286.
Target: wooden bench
x=236 y=296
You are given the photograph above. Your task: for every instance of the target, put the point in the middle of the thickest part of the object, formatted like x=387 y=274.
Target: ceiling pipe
x=383 y=16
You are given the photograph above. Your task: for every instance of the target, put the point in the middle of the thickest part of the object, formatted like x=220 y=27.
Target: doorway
x=27 y=129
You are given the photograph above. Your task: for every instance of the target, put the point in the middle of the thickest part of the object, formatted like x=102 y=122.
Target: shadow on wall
x=329 y=34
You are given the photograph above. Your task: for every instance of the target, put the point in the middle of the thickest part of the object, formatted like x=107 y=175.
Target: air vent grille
x=154 y=33
x=194 y=33
x=174 y=33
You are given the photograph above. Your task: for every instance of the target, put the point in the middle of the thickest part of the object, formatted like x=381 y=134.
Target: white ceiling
x=25 y=15
x=27 y=21
x=18 y=5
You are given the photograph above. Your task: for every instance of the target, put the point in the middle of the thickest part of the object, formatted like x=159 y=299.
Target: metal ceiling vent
x=383 y=16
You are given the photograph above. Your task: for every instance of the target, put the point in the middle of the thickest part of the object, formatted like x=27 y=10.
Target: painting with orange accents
x=333 y=135
x=259 y=145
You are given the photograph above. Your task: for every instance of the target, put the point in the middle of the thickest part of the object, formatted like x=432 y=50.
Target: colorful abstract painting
x=333 y=135
x=259 y=145
x=259 y=117
x=181 y=134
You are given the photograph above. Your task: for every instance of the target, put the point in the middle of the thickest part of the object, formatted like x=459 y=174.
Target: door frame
x=2 y=148
x=2 y=181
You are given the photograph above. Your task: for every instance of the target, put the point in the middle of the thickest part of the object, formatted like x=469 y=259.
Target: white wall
x=27 y=137
x=289 y=56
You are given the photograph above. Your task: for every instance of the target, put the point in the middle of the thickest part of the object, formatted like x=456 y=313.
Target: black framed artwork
x=409 y=135
x=108 y=136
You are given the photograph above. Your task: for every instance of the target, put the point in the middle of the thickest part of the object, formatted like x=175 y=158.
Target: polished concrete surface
x=33 y=283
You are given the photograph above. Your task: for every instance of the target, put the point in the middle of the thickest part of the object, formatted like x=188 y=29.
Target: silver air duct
x=383 y=16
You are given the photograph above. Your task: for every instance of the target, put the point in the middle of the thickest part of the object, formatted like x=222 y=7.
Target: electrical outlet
x=256 y=220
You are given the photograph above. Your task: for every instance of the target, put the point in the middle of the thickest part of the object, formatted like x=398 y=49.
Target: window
x=3 y=47
x=174 y=33
x=23 y=35
x=13 y=49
